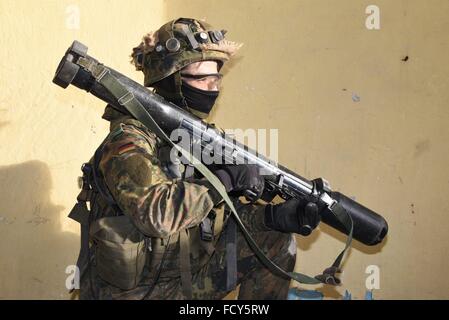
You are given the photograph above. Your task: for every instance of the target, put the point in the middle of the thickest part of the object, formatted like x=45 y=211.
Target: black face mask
x=197 y=99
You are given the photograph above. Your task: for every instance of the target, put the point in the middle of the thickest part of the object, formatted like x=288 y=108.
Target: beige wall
x=301 y=64
x=46 y=133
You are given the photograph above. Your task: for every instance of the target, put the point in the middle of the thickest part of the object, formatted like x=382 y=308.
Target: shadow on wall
x=34 y=251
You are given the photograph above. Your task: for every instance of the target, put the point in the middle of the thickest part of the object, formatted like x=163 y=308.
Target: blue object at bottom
x=298 y=294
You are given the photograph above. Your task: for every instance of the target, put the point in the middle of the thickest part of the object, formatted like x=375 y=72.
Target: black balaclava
x=197 y=101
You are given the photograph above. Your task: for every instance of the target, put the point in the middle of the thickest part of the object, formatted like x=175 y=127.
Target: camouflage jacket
x=159 y=205
x=134 y=174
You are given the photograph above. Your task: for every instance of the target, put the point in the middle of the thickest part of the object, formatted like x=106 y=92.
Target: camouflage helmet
x=177 y=44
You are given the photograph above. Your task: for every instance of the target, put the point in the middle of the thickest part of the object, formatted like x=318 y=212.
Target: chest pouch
x=120 y=251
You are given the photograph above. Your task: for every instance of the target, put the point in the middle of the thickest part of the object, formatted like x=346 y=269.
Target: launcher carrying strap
x=126 y=98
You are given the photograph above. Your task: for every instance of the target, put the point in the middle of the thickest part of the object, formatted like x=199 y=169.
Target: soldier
x=158 y=230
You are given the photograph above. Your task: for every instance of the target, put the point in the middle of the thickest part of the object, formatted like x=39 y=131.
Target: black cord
x=159 y=271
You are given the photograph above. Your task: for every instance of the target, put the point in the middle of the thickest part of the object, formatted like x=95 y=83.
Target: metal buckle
x=127 y=97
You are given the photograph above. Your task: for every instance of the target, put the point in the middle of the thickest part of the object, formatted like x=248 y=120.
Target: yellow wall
x=301 y=64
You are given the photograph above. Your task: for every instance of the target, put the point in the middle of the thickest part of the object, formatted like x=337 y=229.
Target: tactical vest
x=120 y=252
